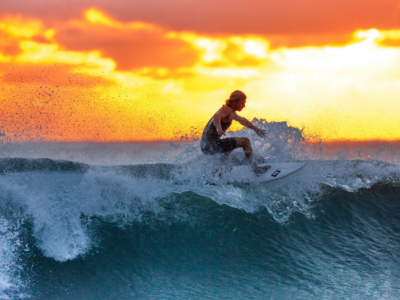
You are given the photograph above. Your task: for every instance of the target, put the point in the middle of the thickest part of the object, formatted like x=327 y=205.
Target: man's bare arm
x=243 y=121
x=248 y=124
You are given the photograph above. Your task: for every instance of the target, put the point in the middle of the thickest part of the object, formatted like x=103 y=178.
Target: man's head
x=237 y=100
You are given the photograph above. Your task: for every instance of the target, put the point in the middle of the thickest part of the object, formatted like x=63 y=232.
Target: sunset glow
x=93 y=77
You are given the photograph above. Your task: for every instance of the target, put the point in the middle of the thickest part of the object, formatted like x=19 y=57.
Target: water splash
x=60 y=198
x=11 y=283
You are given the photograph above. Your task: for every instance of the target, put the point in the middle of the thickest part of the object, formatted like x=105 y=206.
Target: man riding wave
x=211 y=142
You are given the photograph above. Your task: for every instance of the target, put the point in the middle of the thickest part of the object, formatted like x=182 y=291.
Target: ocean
x=151 y=221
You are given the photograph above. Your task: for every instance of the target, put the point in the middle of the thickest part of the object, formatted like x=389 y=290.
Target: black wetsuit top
x=211 y=143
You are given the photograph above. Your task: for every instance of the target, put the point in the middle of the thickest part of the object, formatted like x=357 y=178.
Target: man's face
x=240 y=104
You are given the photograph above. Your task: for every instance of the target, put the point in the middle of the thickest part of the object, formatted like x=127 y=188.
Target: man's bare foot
x=261 y=170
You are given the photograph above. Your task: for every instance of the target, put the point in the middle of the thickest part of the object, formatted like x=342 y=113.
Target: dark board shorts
x=218 y=145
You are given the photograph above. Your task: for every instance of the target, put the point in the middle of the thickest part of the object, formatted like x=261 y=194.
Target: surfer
x=211 y=142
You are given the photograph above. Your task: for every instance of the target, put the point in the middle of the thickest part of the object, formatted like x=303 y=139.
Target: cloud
x=132 y=45
x=9 y=46
x=13 y=30
x=316 y=40
x=142 y=48
x=284 y=17
x=233 y=54
x=390 y=38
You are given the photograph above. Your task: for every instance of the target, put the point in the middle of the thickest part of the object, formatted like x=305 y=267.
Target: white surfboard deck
x=277 y=171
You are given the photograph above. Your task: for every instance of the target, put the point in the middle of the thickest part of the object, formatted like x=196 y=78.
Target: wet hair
x=234 y=97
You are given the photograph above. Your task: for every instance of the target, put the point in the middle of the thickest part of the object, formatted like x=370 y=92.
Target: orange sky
x=126 y=71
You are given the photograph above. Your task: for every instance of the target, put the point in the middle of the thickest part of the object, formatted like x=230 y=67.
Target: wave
x=55 y=195
x=59 y=203
x=10 y=165
x=68 y=215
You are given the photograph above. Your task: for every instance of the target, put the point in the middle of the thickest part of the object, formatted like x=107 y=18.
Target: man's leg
x=244 y=143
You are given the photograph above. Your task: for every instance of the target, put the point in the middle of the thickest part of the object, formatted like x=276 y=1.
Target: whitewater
x=153 y=221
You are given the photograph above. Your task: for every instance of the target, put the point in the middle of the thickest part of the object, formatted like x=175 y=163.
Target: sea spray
x=11 y=283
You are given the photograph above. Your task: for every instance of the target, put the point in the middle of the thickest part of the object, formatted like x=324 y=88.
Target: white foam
x=56 y=203
x=10 y=281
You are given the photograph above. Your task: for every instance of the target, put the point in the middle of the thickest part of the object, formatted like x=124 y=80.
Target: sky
x=104 y=71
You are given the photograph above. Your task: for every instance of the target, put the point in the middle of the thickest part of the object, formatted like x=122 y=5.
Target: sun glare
x=211 y=47
x=256 y=48
x=95 y=16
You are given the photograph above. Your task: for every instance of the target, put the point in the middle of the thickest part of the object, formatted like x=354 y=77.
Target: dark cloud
x=265 y=17
x=130 y=48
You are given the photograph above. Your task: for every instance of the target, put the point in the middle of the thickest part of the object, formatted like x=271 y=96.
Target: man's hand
x=220 y=132
x=260 y=132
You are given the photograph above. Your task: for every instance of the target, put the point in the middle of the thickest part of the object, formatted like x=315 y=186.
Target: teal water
x=75 y=231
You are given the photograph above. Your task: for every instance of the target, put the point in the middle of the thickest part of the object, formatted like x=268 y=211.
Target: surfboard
x=277 y=171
